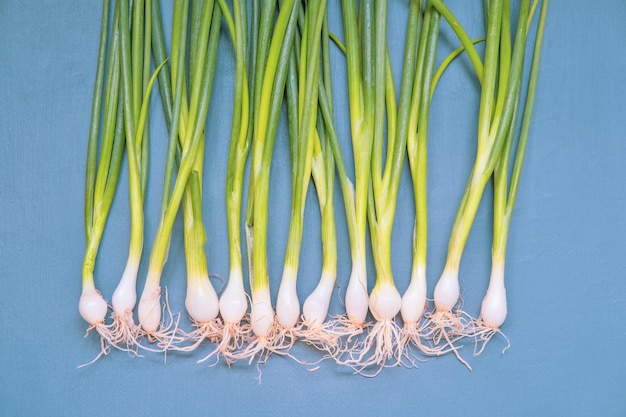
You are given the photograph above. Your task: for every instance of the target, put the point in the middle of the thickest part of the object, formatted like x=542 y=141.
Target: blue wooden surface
x=565 y=267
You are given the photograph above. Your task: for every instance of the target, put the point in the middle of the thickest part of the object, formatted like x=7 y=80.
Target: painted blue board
x=565 y=266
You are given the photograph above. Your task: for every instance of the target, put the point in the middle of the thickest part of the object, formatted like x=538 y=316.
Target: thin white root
x=483 y=334
x=260 y=346
x=279 y=342
x=348 y=332
x=122 y=334
x=126 y=333
x=168 y=335
x=380 y=346
x=286 y=337
x=208 y=330
x=448 y=327
x=324 y=338
x=412 y=335
x=232 y=339
x=107 y=339
x=347 y=328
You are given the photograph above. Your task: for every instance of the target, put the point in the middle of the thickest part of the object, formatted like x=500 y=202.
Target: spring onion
x=355 y=197
x=414 y=299
x=101 y=176
x=233 y=303
x=201 y=302
x=316 y=330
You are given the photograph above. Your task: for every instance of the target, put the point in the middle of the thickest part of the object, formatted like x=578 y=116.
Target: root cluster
x=365 y=348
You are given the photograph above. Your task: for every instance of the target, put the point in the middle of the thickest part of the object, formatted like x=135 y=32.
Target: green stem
x=504 y=220
x=504 y=64
x=347 y=188
x=239 y=143
x=329 y=231
x=147 y=54
x=461 y=34
x=110 y=163
x=380 y=59
x=136 y=31
x=112 y=97
x=195 y=235
x=291 y=88
x=487 y=97
x=272 y=91
x=134 y=171
x=100 y=217
x=94 y=124
x=116 y=163
x=395 y=155
x=419 y=160
x=447 y=61
x=528 y=109
x=193 y=143
x=307 y=114
x=487 y=158
x=170 y=107
x=197 y=16
x=360 y=95
x=175 y=125
x=500 y=184
x=160 y=54
x=145 y=103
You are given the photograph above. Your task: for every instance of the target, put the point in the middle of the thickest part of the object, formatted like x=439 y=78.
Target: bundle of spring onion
x=501 y=82
x=233 y=303
x=200 y=294
x=125 y=112
x=282 y=54
x=201 y=301
x=302 y=121
x=378 y=98
x=315 y=329
x=271 y=65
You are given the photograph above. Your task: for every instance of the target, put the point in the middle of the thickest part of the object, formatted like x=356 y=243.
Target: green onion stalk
x=494 y=306
x=501 y=86
x=358 y=51
x=201 y=300
x=271 y=64
x=135 y=61
x=342 y=325
x=302 y=132
x=316 y=330
x=202 y=69
x=414 y=301
x=102 y=174
x=173 y=88
x=233 y=303
x=299 y=155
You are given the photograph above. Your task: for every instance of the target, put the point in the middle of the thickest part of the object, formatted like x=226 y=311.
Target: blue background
x=566 y=265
